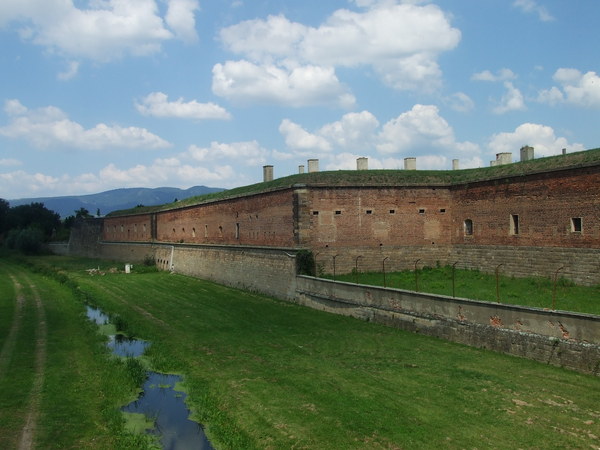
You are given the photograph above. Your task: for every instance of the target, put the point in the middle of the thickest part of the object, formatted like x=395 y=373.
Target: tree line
x=28 y=227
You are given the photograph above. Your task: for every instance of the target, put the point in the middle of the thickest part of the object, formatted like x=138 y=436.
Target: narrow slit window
x=576 y=225
x=443 y=210
x=237 y=230
x=369 y=211
x=468 y=227
x=205 y=231
x=315 y=213
x=421 y=211
x=514 y=224
x=392 y=211
x=338 y=213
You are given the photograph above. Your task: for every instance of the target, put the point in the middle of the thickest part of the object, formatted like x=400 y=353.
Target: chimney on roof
x=564 y=151
x=313 y=165
x=455 y=164
x=301 y=168
x=267 y=173
x=503 y=158
x=526 y=153
x=362 y=163
x=410 y=163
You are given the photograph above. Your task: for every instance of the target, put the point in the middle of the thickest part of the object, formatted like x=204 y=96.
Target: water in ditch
x=159 y=400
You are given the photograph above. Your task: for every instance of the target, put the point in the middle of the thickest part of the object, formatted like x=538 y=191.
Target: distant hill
x=115 y=199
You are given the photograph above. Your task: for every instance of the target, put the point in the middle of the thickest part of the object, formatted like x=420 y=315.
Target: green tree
x=82 y=213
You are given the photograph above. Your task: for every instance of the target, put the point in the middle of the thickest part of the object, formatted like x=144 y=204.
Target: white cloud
x=512 y=100
x=181 y=19
x=531 y=6
x=460 y=102
x=249 y=153
x=49 y=126
x=246 y=82
x=355 y=131
x=104 y=31
x=420 y=131
x=70 y=72
x=301 y=141
x=541 y=137
x=501 y=75
x=400 y=41
x=576 y=88
x=157 y=104
x=9 y=162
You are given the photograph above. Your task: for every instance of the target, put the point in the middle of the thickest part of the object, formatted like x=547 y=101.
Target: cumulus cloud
x=512 y=100
x=157 y=104
x=501 y=75
x=576 y=88
x=422 y=130
x=401 y=42
x=245 y=82
x=49 y=126
x=532 y=7
x=541 y=137
x=301 y=141
x=8 y=162
x=250 y=153
x=104 y=31
x=460 y=102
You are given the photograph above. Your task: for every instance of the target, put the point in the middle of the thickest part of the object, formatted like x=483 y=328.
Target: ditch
x=160 y=409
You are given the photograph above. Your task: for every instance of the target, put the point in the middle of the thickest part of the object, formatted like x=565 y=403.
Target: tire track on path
x=11 y=339
x=33 y=404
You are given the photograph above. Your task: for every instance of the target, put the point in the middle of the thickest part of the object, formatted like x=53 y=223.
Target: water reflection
x=159 y=400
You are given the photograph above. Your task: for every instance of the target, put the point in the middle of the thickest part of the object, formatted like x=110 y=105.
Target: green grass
x=263 y=373
x=533 y=291
x=388 y=178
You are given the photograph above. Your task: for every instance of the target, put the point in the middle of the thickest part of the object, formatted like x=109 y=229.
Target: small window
x=205 y=231
x=315 y=213
x=237 y=230
x=576 y=225
x=421 y=211
x=468 y=227
x=369 y=211
x=514 y=224
x=443 y=210
x=193 y=232
x=220 y=231
x=392 y=211
x=338 y=213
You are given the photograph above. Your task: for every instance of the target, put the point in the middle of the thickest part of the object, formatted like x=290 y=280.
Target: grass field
x=263 y=373
x=538 y=292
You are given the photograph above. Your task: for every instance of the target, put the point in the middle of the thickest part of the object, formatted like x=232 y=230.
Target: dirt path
x=33 y=404
x=11 y=339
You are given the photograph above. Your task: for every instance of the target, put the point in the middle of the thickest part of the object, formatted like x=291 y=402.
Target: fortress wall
x=265 y=219
x=271 y=271
x=549 y=207
x=560 y=338
x=377 y=216
x=133 y=228
x=581 y=265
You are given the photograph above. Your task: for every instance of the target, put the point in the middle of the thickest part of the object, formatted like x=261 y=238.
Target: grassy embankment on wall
x=533 y=291
x=262 y=373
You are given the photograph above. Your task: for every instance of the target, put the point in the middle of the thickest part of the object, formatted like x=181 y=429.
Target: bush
x=305 y=263
x=28 y=240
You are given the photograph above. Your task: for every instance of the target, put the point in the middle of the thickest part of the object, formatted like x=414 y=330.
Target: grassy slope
x=268 y=374
x=533 y=291
x=82 y=387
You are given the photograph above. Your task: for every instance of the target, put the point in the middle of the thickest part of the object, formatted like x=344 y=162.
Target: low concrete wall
x=560 y=338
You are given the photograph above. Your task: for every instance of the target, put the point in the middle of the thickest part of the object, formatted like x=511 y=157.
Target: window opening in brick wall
x=220 y=231
x=576 y=225
x=369 y=211
x=337 y=213
x=121 y=228
x=144 y=228
x=193 y=232
x=514 y=224
x=443 y=210
x=392 y=211
x=421 y=211
x=135 y=227
x=205 y=231
x=237 y=230
x=315 y=213
x=468 y=227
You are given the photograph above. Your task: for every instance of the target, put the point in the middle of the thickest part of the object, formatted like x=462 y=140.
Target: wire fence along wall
x=450 y=279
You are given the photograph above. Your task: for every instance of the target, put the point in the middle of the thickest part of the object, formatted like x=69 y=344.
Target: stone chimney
x=313 y=165
x=301 y=168
x=267 y=173
x=410 y=163
x=362 y=163
x=526 y=153
x=455 y=164
x=503 y=158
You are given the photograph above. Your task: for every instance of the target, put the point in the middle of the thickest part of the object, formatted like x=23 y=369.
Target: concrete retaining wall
x=560 y=338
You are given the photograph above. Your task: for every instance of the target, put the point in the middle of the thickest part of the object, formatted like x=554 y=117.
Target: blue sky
x=104 y=94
